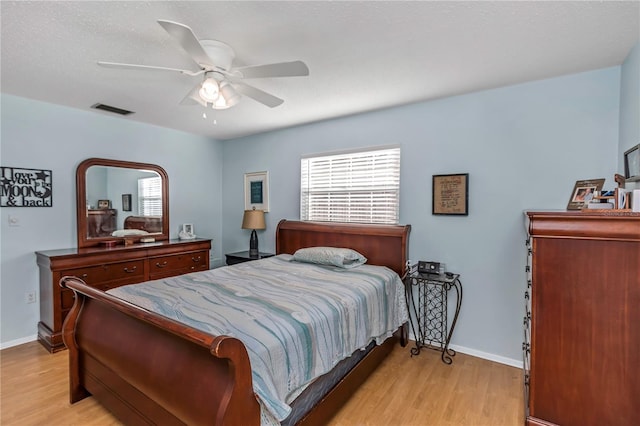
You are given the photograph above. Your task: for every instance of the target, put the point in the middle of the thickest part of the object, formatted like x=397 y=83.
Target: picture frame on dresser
x=583 y=192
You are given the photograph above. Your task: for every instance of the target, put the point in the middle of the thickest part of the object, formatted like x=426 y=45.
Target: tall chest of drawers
x=107 y=268
x=583 y=319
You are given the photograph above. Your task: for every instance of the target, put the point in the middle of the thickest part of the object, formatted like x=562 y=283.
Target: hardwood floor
x=404 y=390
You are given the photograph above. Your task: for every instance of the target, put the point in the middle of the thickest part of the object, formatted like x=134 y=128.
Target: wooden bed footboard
x=147 y=368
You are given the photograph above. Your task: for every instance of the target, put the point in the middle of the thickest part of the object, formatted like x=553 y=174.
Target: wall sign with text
x=451 y=194
x=25 y=187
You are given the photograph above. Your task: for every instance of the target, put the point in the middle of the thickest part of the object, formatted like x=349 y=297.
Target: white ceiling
x=362 y=56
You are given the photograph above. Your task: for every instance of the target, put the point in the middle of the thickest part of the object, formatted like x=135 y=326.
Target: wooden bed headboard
x=151 y=224
x=386 y=245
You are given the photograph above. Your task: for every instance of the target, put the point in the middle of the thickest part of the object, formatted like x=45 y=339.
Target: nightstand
x=430 y=310
x=243 y=256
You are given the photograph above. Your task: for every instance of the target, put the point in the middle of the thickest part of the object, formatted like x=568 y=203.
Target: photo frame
x=188 y=228
x=126 y=202
x=450 y=194
x=256 y=191
x=583 y=192
x=104 y=204
x=632 y=163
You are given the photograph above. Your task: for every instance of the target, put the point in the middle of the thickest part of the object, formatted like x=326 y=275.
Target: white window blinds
x=150 y=196
x=362 y=186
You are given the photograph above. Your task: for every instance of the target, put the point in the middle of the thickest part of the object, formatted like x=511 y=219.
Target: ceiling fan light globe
x=209 y=91
x=231 y=96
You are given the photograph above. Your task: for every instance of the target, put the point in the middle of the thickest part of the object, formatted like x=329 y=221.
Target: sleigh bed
x=149 y=369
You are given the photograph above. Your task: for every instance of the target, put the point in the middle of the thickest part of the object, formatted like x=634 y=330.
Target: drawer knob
x=129 y=271
x=161 y=265
x=196 y=259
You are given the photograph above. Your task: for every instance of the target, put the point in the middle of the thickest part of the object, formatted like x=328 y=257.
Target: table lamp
x=253 y=219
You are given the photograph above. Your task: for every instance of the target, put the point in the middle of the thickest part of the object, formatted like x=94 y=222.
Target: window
x=150 y=196
x=360 y=186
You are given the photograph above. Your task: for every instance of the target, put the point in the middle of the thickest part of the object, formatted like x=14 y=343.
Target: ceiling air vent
x=112 y=109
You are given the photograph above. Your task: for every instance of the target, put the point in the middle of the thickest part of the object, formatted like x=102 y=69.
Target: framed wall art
x=632 y=163
x=256 y=191
x=20 y=187
x=450 y=195
x=126 y=202
x=583 y=192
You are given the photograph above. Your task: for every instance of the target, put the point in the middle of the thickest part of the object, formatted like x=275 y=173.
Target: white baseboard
x=484 y=355
x=17 y=342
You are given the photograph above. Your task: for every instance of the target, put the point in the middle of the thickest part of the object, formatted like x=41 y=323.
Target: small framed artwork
x=187 y=228
x=450 y=195
x=126 y=202
x=256 y=191
x=583 y=192
x=104 y=204
x=632 y=163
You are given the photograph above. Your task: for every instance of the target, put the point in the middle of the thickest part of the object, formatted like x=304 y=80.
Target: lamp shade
x=253 y=219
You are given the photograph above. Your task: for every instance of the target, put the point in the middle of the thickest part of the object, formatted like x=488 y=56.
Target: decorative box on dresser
x=583 y=319
x=106 y=268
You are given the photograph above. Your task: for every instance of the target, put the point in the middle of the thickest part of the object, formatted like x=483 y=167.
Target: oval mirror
x=118 y=200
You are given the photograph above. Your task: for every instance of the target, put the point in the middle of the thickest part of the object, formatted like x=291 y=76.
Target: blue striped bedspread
x=296 y=320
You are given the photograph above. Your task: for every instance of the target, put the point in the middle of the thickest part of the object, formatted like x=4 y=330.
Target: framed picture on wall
x=632 y=163
x=450 y=195
x=126 y=202
x=256 y=191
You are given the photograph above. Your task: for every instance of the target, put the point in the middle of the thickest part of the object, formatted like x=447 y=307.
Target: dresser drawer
x=176 y=264
x=132 y=271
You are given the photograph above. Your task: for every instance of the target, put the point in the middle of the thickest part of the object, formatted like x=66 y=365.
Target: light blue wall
x=629 y=106
x=524 y=147
x=43 y=136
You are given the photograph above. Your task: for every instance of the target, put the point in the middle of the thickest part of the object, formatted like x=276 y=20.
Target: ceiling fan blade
x=147 y=67
x=282 y=69
x=188 y=41
x=193 y=98
x=258 y=95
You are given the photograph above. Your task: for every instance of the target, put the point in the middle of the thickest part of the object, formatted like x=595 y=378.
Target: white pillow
x=332 y=256
x=128 y=232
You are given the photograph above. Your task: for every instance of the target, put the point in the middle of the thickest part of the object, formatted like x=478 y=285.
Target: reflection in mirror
x=118 y=199
x=106 y=188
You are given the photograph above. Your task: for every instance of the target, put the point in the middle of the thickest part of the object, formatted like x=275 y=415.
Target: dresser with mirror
x=123 y=238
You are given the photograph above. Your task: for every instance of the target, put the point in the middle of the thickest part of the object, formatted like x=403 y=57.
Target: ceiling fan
x=222 y=84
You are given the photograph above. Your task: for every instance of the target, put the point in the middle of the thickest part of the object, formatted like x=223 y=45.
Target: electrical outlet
x=30 y=297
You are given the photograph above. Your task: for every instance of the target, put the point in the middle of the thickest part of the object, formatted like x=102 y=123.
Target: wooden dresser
x=106 y=268
x=583 y=319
